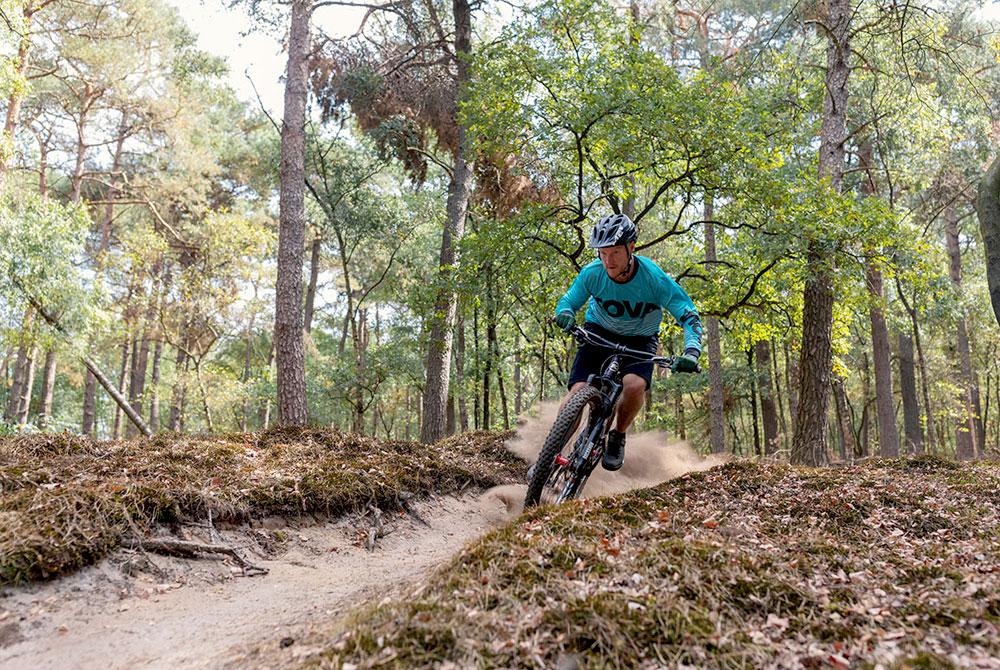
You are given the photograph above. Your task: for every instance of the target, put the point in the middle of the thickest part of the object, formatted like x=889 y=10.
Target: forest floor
x=351 y=553
x=885 y=564
x=133 y=610
x=115 y=604
x=167 y=553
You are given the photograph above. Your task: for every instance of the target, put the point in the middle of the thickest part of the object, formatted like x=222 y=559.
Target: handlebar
x=581 y=335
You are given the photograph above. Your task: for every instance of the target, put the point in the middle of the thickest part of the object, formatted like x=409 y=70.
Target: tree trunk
x=17 y=98
x=179 y=393
x=12 y=411
x=247 y=370
x=980 y=417
x=265 y=409
x=313 y=279
x=778 y=396
x=921 y=365
x=109 y=208
x=463 y=404
x=450 y=415
x=866 y=394
x=967 y=430
x=500 y=387
x=762 y=351
x=988 y=209
x=122 y=383
x=48 y=388
x=409 y=416
x=154 y=388
x=843 y=418
x=117 y=397
x=209 y=422
x=716 y=409
x=888 y=435
x=487 y=369
x=792 y=384
x=679 y=413
x=359 y=333
x=43 y=168
x=24 y=406
x=6 y=377
x=87 y=424
x=288 y=334
x=476 y=414
x=753 y=404
x=519 y=379
x=140 y=364
x=542 y=364
x=76 y=178
x=443 y=319
x=908 y=390
x=809 y=446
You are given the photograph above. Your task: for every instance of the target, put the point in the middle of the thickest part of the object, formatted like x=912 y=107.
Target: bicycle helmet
x=612 y=230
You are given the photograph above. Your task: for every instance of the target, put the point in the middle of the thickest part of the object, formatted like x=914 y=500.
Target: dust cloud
x=651 y=458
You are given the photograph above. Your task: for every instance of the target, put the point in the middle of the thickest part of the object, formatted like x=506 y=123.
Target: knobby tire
x=559 y=435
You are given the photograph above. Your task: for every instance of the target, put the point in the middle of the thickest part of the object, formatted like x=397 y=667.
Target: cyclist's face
x=615 y=259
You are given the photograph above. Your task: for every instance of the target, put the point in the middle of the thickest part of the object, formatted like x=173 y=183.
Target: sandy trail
x=204 y=614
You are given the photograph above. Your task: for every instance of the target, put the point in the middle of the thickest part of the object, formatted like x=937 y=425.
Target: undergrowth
x=889 y=564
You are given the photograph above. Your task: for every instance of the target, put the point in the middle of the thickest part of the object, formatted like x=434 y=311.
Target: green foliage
x=575 y=108
x=42 y=244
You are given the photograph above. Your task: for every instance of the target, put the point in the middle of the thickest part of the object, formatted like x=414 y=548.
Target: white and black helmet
x=612 y=230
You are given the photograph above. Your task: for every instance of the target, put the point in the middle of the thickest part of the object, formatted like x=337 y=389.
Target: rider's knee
x=634 y=386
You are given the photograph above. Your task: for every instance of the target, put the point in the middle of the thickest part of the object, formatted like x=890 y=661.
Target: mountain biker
x=627 y=296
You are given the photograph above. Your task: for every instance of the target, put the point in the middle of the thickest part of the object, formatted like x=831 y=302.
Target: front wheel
x=558 y=438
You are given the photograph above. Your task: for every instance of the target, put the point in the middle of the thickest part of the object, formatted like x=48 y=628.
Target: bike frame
x=589 y=447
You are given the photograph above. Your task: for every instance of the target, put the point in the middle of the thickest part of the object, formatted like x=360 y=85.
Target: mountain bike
x=564 y=464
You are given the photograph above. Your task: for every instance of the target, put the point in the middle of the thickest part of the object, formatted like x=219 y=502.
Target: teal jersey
x=636 y=306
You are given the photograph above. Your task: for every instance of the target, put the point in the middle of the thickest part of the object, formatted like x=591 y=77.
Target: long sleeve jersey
x=636 y=306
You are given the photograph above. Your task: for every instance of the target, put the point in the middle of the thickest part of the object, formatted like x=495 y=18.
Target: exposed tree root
x=189 y=549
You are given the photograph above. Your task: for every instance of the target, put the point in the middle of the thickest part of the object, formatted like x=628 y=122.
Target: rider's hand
x=565 y=320
x=688 y=362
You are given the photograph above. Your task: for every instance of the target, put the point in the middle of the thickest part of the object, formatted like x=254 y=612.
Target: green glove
x=688 y=362
x=565 y=320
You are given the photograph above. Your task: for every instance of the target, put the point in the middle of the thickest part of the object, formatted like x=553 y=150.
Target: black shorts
x=590 y=358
